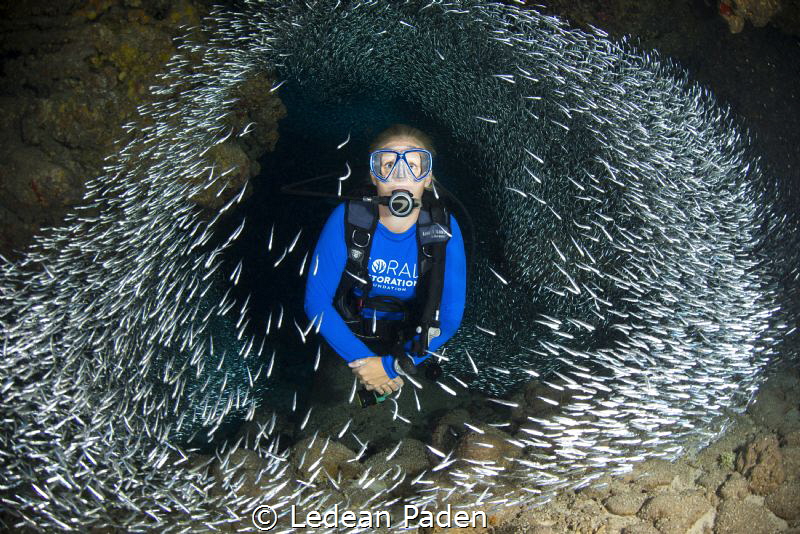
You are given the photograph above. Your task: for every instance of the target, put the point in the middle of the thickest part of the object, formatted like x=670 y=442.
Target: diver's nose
x=402 y=173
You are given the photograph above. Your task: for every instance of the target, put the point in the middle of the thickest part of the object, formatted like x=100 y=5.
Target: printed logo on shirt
x=393 y=274
x=378 y=266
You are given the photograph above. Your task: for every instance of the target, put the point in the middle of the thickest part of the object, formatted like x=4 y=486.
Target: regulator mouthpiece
x=401 y=202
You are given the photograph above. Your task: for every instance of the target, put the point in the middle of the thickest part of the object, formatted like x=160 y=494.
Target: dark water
x=756 y=72
x=307 y=148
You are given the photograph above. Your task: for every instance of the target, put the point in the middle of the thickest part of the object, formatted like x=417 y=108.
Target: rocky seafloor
x=746 y=481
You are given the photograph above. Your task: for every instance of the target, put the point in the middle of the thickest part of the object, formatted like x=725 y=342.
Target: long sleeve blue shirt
x=393 y=271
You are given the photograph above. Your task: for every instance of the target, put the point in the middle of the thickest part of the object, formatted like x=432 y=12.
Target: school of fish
x=647 y=267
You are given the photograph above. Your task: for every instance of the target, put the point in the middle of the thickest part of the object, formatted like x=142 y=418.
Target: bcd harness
x=420 y=321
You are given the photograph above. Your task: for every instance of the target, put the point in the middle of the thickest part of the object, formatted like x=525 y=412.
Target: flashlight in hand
x=369 y=398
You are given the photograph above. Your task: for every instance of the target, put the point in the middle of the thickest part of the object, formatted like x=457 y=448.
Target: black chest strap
x=433 y=232
x=360 y=222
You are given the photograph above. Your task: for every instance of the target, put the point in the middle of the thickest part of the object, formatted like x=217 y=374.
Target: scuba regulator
x=400 y=203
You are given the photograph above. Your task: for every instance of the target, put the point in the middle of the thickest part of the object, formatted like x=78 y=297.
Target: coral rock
x=491 y=446
x=785 y=501
x=761 y=462
x=411 y=457
x=640 y=528
x=625 y=503
x=677 y=512
x=334 y=459
x=736 y=517
x=734 y=488
x=791 y=439
x=791 y=462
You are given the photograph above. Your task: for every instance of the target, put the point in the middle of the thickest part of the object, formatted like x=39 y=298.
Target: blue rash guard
x=393 y=271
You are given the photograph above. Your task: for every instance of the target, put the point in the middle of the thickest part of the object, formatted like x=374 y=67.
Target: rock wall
x=73 y=73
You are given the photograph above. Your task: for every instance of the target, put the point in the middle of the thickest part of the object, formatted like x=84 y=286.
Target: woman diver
x=378 y=280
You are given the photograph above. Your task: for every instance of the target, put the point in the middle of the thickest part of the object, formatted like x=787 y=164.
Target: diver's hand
x=370 y=373
x=388 y=387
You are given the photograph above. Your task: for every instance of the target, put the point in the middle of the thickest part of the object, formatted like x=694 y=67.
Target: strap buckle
x=426 y=334
x=367 y=239
x=433 y=332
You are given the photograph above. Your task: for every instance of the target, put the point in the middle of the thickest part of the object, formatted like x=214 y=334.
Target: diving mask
x=409 y=165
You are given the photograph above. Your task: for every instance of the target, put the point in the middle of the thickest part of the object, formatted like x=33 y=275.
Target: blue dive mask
x=409 y=165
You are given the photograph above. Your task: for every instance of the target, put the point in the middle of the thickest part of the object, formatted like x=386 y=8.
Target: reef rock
x=410 y=456
x=678 y=512
x=757 y=12
x=785 y=501
x=760 y=461
x=241 y=475
x=640 y=528
x=791 y=439
x=734 y=488
x=625 y=503
x=736 y=517
x=75 y=73
x=490 y=446
x=311 y=453
x=791 y=462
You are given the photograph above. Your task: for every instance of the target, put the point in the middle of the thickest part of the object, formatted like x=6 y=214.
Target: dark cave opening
x=270 y=278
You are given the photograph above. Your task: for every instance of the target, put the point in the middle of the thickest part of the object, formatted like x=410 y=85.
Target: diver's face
x=400 y=177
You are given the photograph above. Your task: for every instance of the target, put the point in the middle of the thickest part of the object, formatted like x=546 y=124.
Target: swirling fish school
x=626 y=205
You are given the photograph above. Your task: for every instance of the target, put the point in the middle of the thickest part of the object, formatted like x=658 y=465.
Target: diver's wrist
x=388 y=366
x=397 y=368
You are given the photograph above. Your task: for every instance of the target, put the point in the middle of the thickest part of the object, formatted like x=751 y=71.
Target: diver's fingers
x=357 y=363
x=359 y=372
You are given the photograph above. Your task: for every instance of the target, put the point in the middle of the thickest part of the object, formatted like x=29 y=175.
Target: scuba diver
x=388 y=274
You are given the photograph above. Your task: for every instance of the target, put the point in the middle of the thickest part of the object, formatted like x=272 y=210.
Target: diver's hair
x=404 y=130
